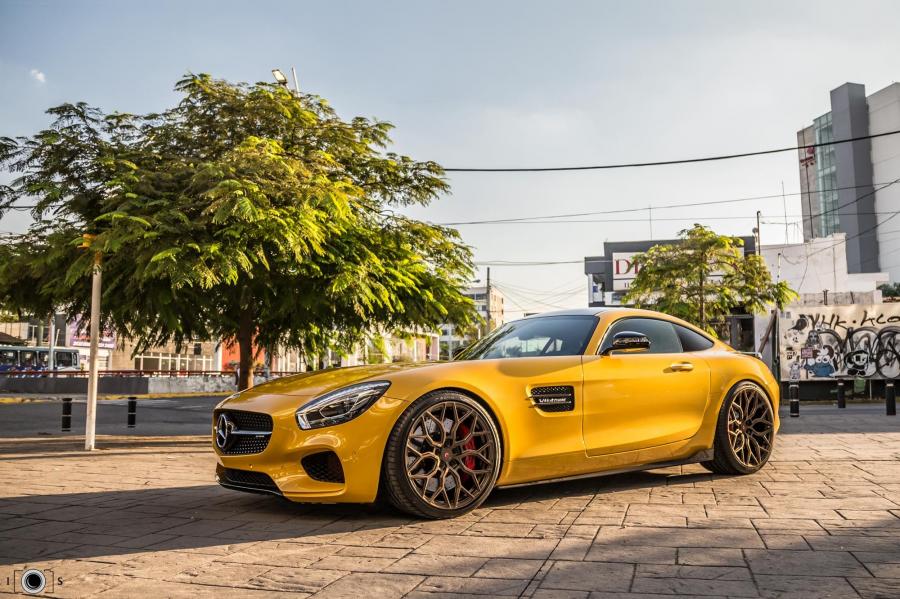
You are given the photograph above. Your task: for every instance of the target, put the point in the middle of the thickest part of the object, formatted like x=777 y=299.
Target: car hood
x=319 y=382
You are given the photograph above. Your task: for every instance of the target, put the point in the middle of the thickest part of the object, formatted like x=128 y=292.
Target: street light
x=279 y=77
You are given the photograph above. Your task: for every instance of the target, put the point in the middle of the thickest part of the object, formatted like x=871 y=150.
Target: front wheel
x=442 y=458
x=745 y=431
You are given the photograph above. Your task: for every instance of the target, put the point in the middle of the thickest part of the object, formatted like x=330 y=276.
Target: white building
x=819 y=267
x=817 y=271
x=451 y=341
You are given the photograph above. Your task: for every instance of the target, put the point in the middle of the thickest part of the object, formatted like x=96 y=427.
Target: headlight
x=341 y=405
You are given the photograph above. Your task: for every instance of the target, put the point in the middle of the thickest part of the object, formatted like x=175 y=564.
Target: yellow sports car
x=550 y=397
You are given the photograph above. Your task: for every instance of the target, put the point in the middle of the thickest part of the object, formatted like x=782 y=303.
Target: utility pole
x=487 y=299
x=758 y=234
x=91 y=416
x=51 y=363
x=784 y=206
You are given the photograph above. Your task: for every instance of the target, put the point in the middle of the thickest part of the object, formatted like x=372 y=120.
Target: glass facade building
x=826 y=177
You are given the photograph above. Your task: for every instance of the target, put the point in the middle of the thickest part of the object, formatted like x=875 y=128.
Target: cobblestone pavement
x=143 y=518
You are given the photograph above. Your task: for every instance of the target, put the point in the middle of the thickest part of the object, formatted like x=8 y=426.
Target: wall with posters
x=827 y=342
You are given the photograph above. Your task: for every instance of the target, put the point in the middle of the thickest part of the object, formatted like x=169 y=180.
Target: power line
x=667 y=162
x=628 y=210
x=526 y=263
x=522 y=296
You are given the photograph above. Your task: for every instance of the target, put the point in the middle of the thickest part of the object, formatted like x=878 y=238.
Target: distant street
x=155 y=417
x=193 y=416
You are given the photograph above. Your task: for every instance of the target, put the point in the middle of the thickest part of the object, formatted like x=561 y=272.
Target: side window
x=64 y=359
x=663 y=339
x=691 y=340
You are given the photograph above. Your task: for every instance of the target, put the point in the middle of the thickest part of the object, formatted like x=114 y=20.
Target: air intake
x=324 y=466
x=560 y=398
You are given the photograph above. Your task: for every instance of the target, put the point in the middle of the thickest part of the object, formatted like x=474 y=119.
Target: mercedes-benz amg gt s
x=555 y=396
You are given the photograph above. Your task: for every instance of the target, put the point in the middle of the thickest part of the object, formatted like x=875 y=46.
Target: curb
x=81 y=397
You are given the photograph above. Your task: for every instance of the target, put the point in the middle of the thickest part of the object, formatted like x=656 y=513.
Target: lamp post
x=281 y=79
x=90 y=428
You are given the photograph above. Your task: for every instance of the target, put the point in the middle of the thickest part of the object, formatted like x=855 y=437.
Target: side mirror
x=627 y=341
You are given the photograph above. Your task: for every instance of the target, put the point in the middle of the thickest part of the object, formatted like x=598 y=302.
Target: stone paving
x=143 y=517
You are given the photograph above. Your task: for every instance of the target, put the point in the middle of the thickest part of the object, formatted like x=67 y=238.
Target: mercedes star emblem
x=224 y=428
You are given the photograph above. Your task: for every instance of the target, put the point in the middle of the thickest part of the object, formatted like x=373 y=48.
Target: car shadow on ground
x=106 y=524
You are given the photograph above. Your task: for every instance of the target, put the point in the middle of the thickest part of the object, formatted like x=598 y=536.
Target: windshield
x=530 y=337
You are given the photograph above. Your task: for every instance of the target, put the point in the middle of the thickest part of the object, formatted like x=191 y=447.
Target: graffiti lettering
x=840 y=341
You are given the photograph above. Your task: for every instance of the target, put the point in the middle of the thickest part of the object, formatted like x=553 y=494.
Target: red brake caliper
x=469 y=461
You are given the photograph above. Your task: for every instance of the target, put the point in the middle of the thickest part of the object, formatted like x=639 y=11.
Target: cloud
x=38 y=76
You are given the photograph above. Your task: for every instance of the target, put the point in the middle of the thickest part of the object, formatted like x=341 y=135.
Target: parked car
x=549 y=397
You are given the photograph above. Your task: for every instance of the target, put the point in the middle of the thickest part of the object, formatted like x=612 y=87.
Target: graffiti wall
x=824 y=342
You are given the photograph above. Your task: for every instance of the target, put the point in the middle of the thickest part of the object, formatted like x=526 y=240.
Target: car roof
x=579 y=312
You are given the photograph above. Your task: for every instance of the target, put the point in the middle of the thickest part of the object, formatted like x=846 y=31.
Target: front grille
x=324 y=466
x=251 y=421
x=558 y=398
x=247 y=422
x=246 y=480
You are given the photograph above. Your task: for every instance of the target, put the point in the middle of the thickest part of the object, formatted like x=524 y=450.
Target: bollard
x=890 y=399
x=66 y=414
x=842 y=401
x=132 y=411
x=794 y=395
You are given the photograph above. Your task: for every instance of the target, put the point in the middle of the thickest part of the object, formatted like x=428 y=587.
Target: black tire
x=753 y=453
x=472 y=445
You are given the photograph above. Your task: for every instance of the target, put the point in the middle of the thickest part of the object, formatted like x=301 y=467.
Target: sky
x=499 y=84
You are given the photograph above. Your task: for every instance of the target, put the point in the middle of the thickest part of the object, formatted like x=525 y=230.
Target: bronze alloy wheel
x=745 y=433
x=450 y=455
x=750 y=426
x=443 y=457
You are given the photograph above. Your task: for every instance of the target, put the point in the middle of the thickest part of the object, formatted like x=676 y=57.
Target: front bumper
x=358 y=445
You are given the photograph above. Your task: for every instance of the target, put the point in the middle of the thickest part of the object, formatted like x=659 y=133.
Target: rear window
x=691 y=340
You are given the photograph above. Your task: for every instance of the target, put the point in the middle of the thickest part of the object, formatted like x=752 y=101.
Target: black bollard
x=67 y=414
x=794 y=395
x=132 y=411
x=890 y=399
x=842 y=401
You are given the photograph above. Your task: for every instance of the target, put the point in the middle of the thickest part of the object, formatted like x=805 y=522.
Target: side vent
x=560 y=398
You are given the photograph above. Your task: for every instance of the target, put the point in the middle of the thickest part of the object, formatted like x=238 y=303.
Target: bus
x=20 y=359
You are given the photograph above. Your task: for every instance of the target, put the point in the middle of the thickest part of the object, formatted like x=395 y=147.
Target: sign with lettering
x=825 y=342
x=624 y=270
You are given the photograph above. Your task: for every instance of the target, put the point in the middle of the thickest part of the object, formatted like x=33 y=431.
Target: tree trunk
x=245 y=348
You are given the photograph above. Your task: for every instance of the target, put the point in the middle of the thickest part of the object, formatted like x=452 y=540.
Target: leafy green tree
x=245 y=212
x=889 y=290
x=702 y=278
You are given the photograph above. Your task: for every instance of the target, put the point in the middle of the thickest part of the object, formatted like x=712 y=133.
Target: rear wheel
x=745 y=431
x=442 y=458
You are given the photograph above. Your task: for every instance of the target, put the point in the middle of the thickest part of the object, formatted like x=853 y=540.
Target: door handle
x=682 y=366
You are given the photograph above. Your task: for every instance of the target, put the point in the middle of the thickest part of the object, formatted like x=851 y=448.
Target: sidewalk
x=143 y=517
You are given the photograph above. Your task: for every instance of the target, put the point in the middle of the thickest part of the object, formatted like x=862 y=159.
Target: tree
x=245 y=212
x=702 y=278
x=889 y=290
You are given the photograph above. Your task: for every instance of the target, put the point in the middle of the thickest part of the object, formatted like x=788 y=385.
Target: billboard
x=827 y=342
x=80 y=336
